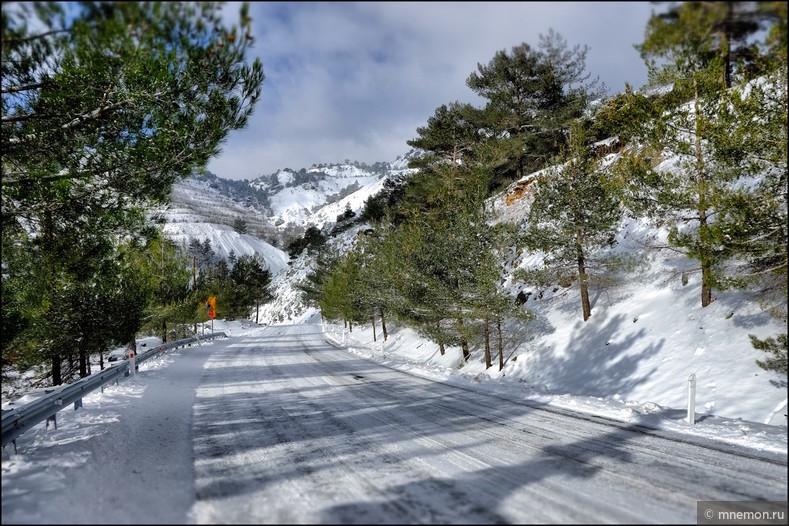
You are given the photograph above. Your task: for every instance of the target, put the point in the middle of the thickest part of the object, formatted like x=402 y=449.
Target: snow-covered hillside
x=304 y=204
x=647 y=334
x=315 y=196
x=225 y=239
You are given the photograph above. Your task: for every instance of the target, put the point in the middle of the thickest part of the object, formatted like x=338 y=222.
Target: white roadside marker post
x=692 y=399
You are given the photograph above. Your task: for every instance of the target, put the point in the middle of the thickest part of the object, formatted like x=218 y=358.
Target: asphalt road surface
x=288 y=428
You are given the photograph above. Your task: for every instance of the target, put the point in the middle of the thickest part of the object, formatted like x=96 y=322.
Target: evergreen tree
x=251 y=280
x=139 y=95
x=323 y=266
x=339 y=300
x=690 y=194
x=383 y=205
x=777 y=347
x=449 y=136
x=240 y=225
x=574 y=213
x=376 y=277
x=102 y=110
x=532 y=96
x=725 y=28
x=311 y=241
x=167 y=276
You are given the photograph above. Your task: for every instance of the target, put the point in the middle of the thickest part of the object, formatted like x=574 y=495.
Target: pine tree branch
x=25 y=87
x=22 y=40
x=91 y=115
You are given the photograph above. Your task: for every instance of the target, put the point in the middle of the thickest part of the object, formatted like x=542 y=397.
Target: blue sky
x=353 y=80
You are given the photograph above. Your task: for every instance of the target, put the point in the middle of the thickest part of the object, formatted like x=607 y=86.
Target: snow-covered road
x=281 y=426
x=289 y=429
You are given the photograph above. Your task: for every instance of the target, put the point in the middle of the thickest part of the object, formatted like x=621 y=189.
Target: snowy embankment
x=647 y=334
x=655 y=397
x=633 y=358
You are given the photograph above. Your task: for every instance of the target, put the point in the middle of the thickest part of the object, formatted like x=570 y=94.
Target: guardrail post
x=692 y=399
x=53 y=419
x=78 y=404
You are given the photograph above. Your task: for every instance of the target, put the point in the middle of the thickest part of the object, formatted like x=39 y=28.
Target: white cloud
x=355 y=80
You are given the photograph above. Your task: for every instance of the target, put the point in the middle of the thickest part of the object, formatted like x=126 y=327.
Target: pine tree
x=574 y=213
x=691 y=193
x=704 y=198
x=102 y=110
x=449 y=137
x=240 y=225
x=777 y=347
x=167 y=276
x=251 y=283
x=339 y=300
x=322 y=267
x=725 y=27
x=532 y=96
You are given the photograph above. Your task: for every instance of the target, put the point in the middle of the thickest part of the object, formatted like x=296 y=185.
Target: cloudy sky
x=353 y=80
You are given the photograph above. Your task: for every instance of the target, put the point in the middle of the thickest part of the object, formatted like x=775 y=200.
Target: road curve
x=289 y=429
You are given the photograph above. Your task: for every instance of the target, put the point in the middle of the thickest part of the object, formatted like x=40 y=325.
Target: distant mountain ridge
x=274 y=208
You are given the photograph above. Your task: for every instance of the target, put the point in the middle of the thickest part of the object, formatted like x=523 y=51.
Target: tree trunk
x=585 y=305
x=463 y=341
x=57 y=377
x=194 y=281
x=464 y=347
x=257 y=311
x=487 y=344
x=373 y=320
x=725 y=42
x=164 y=331
x=83 y=362
x=383 y=322
x=706 y=267
x=440 y=339
x=57 y=373
x=101 y=361
x=706 y=289
x=501 y=346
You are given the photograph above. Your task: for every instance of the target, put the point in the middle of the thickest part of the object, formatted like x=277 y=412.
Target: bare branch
x=22 y=40
x=26 y=87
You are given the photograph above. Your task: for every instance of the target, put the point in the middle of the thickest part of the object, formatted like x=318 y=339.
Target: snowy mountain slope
x=225 y=239
x=200 y=212
x=315 y=196
x=195 y=201
x=204 y=208
x=305 y=204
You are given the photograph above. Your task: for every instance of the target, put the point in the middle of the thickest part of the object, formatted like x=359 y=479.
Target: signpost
x=212 y=311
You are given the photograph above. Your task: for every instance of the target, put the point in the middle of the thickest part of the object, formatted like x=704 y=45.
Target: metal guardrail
x=18 y=420
x=156 y=350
